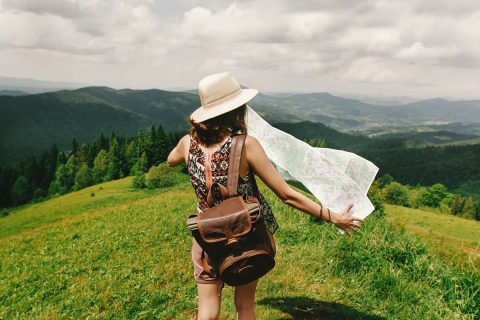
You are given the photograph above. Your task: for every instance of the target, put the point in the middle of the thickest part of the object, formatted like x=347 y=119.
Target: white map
x=335 y=177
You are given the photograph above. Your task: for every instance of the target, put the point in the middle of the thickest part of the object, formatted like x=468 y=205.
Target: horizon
x=368 y=98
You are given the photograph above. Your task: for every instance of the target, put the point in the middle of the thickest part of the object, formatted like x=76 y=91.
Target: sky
x=410 y=48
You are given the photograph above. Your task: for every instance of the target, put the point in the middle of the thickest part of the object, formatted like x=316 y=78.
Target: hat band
x=220 y=100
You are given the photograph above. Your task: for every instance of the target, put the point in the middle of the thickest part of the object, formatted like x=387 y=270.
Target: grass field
x=450 y=236
x=110 y=252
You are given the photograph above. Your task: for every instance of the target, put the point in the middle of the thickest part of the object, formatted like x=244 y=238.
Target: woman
x=205 y=150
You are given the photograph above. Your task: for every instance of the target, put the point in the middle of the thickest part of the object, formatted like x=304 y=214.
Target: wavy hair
x=214 y=130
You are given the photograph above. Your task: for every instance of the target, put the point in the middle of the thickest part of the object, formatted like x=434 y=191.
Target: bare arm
x=272 y=178
x=177 y=155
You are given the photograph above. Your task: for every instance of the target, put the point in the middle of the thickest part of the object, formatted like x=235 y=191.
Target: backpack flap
x=252 y=207
x=226 y=221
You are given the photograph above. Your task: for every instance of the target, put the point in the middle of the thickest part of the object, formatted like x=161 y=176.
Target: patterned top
x=202 y=177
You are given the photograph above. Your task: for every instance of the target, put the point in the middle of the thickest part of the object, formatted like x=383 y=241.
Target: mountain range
x=32 y=122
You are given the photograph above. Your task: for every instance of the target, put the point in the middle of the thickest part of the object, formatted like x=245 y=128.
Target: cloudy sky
x=412 y=48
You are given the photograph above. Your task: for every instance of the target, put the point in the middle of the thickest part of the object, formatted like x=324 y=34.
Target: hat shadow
x=303 y=308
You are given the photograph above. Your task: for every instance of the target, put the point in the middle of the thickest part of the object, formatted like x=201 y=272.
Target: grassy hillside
x=111 y=252
x=450 y=236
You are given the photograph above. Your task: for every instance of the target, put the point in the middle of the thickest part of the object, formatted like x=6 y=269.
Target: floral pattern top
x=200 y=176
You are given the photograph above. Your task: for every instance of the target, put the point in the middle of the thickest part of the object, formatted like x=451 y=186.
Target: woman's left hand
x=345 y=220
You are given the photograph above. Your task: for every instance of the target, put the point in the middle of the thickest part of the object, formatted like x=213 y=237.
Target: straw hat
x=220 y=93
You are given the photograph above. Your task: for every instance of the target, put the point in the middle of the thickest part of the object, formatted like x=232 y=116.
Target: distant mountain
x=36 y=86
x=305 y=130
x=31 y=123
x=382 y=100
x=13 y=93
x=355 y=115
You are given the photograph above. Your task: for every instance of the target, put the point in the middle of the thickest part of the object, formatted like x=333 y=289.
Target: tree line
x=58 y=172
x=434 y=196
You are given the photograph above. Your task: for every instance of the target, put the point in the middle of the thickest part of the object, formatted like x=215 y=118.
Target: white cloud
x=406 y=47
x=418 y=51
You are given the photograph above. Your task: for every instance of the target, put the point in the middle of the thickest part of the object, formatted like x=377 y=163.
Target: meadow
x=112 y=252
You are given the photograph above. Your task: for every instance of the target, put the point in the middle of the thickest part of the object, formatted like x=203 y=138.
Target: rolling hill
x=109 y=251
x=354 y=115
x=31 y=123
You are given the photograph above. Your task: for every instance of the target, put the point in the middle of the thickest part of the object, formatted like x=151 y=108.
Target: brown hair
x=215 y=129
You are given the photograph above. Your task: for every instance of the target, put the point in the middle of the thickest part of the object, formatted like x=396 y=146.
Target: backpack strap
x=254 y=182
x=234 y=163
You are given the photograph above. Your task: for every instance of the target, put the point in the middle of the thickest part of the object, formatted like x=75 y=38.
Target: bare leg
x=208 y=301
x=245 y=301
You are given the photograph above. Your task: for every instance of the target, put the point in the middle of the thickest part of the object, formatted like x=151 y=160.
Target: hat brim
x=202 y=114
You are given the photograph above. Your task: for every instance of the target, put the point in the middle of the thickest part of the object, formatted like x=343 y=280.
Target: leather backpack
x=233 y=235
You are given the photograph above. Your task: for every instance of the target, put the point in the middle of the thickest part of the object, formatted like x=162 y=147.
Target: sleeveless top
x=201 y=175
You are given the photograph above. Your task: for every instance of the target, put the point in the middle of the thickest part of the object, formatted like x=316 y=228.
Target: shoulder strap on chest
x=238 y=142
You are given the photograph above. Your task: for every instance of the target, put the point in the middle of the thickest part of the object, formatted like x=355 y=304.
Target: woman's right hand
x=345 y=220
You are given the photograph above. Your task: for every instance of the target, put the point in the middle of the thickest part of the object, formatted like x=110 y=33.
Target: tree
x=103 y=142
x=433 y=195
x=163 y=142
x=72 y=168
x=155 y=146
x=456 y=206
x=92 y=152
x=60 y=184
x=82 y=154
x=160 y=176
x=21 y=192
x=469 y=209
x=395 y=193
x=74 y=146
x=83 y=178
x=100 y=167
x=39 y=193
x=415 y=195
x=117 y=166
x=385 y=180
x=476 y=204
x=61 y=158
x=139 y=181
x=141 y=166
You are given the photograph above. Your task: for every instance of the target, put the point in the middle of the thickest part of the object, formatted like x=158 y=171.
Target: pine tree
x=456 y=205
x=93 y=150
x=60 y=184
x=83 y=178
x=141 y=166
x=74 y=146
x=117 y=164
x=21 y=191
x=164 y=145
x=82 y=154
x=100 y=167
x=71 y=167
x=469 y=209
x=154 y=147
x=61 y=158
x=103 y=142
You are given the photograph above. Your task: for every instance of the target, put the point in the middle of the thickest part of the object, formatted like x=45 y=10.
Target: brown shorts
x=200 y=274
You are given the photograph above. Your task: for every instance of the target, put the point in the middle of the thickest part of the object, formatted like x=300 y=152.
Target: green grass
x=125 y=254
x=450 y=236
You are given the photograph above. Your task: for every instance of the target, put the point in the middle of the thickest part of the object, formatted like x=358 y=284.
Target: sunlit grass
x=125 y=254
x=450 y=236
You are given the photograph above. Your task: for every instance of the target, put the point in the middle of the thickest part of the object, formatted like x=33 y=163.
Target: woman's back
x=205 y=168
